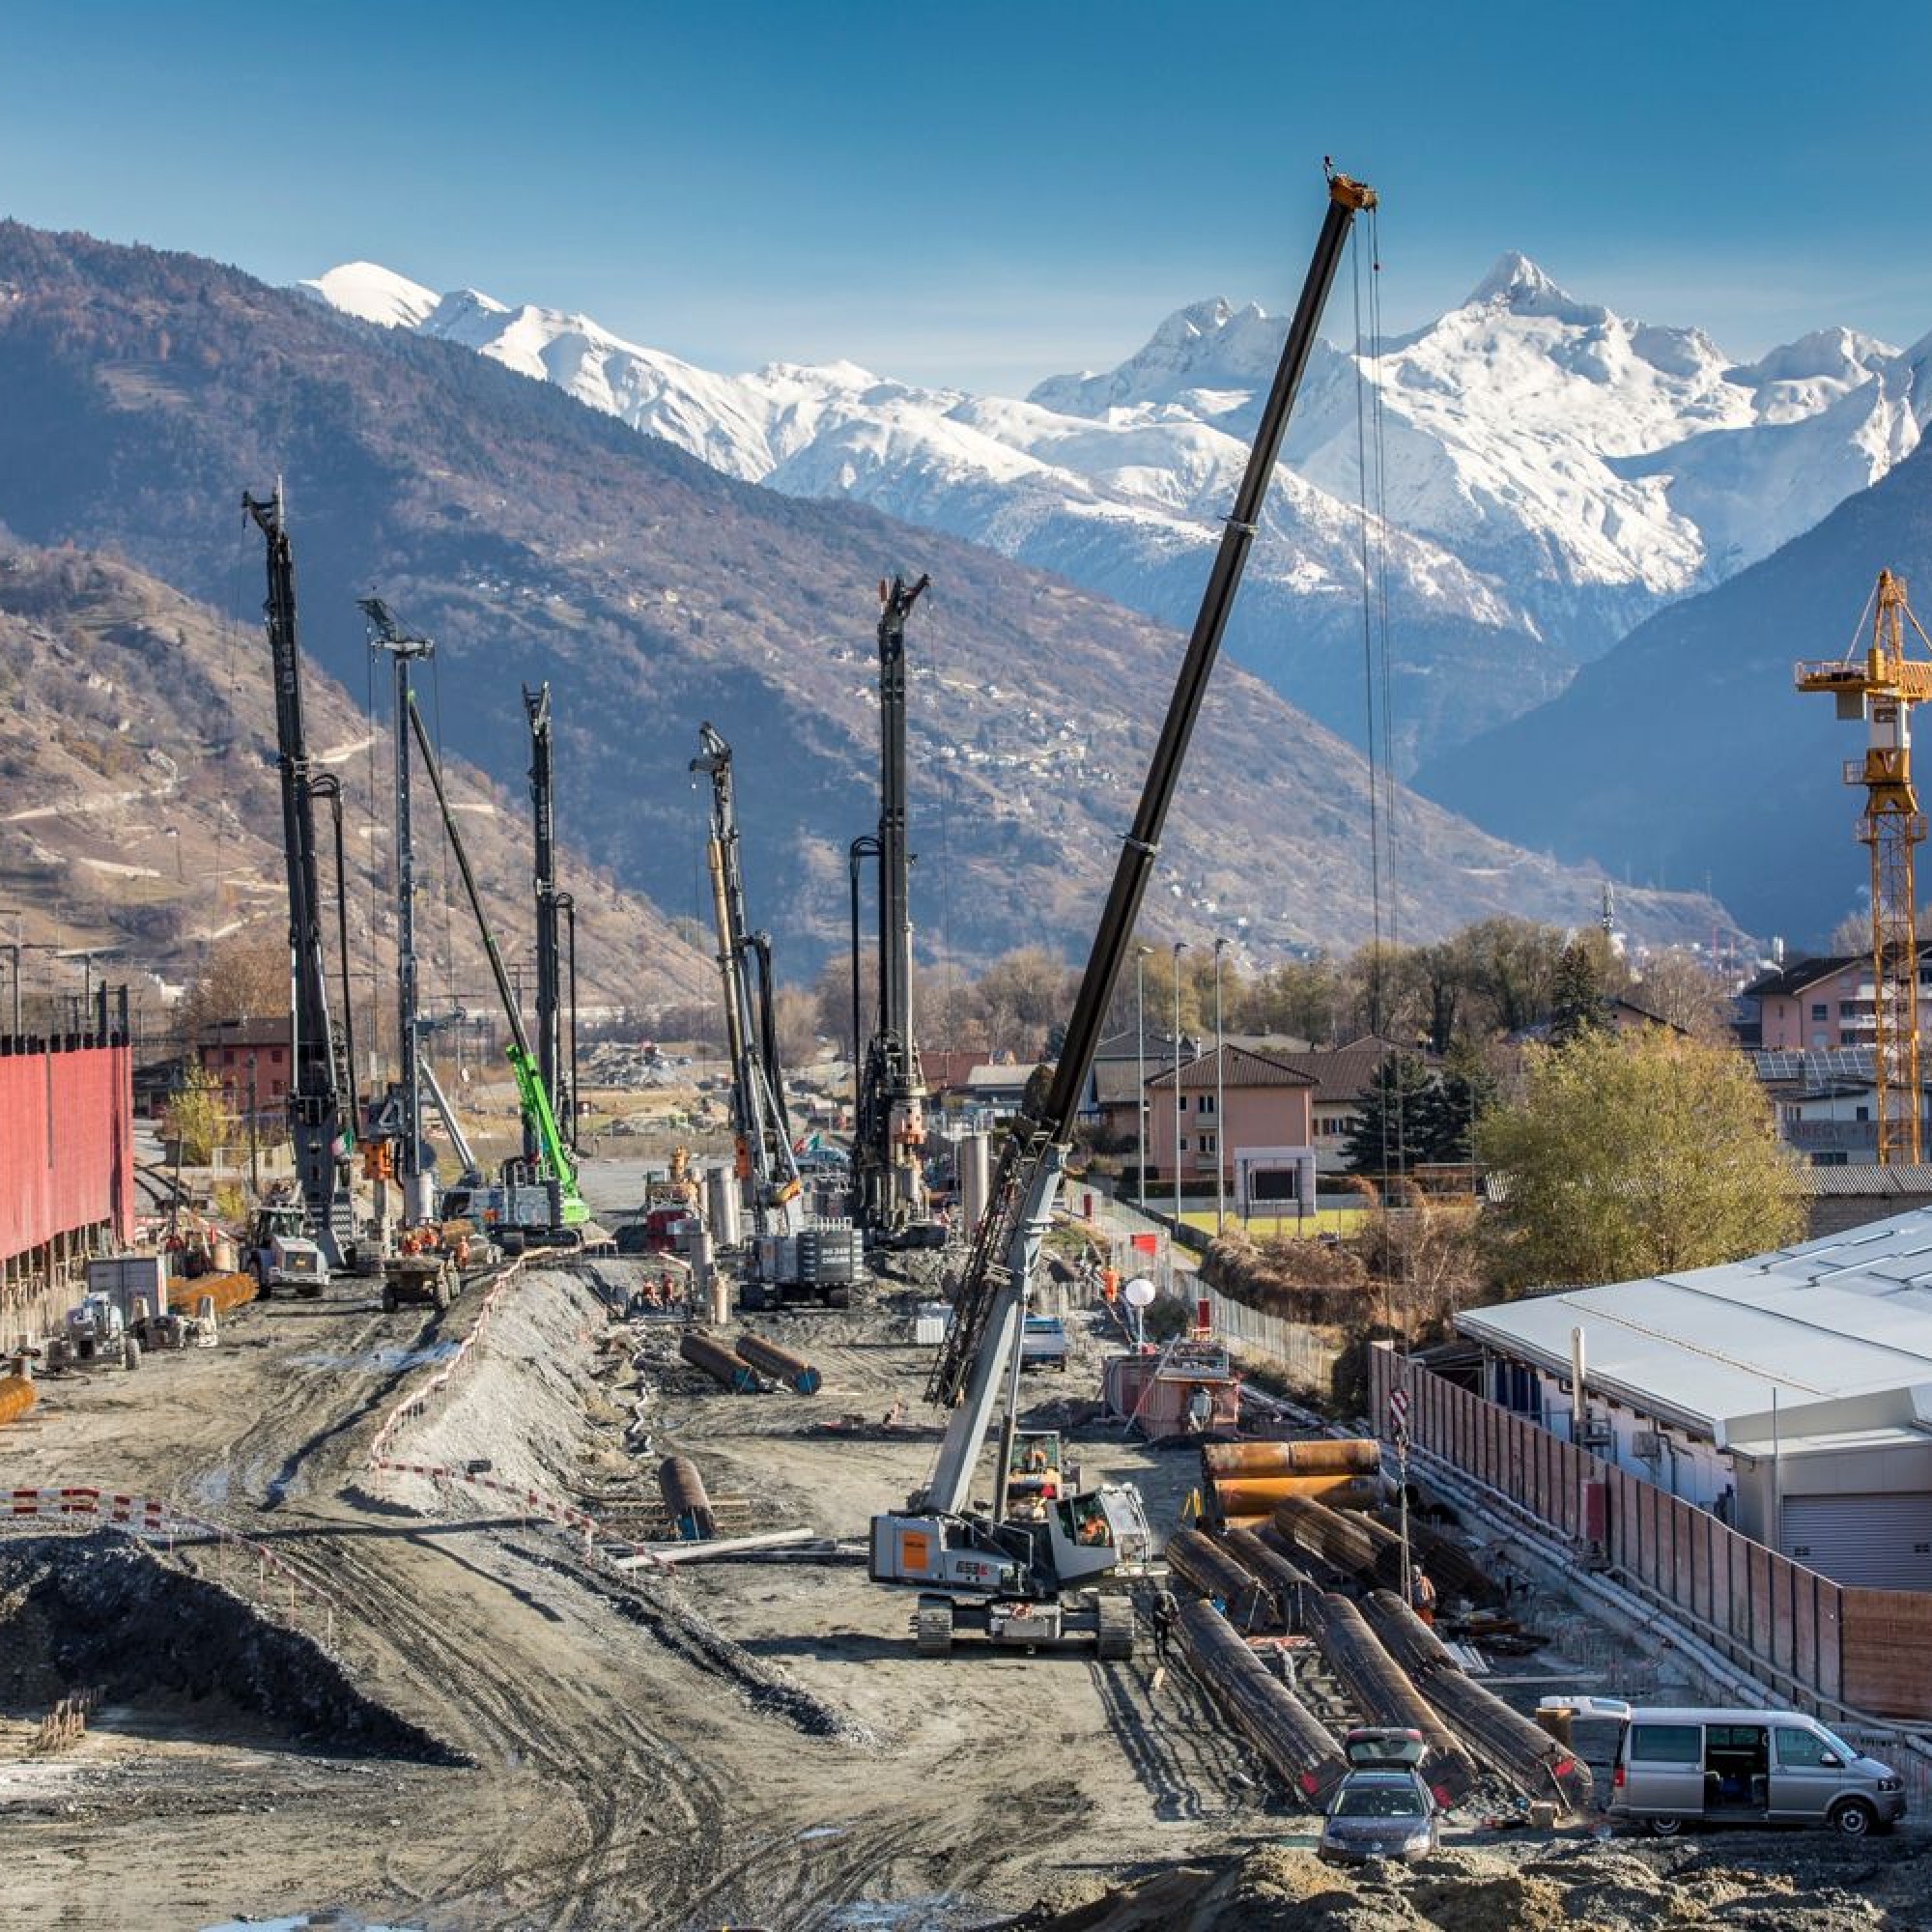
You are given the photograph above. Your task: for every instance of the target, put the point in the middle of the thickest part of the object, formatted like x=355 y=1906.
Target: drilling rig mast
x=888 y=1198
x=550 y=901
x=1882 y=692
x=320 y=1075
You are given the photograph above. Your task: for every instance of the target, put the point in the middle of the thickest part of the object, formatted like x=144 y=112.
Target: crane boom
x=319 y=1077
x=982 y=1341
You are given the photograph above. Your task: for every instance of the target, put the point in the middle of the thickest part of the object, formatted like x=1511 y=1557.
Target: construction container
x=1155 y=1392
x=930 y=1323
x=126 y=1279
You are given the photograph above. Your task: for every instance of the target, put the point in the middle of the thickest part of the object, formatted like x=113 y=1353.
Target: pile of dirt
x=1759 y=1884
x=102 y=1613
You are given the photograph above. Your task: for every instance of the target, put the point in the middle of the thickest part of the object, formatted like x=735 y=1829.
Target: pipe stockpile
x=1380 y=1689
x=780 y=1364
x=1521 y=1750
x=1209 y=1570
x=706 y=1353
x=1242 y=1482
x=1279 y=1726
x=228 y=1291
x=1322 y=1456
x=683 y=1490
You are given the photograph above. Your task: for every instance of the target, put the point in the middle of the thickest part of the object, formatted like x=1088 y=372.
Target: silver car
x=1386 y=1812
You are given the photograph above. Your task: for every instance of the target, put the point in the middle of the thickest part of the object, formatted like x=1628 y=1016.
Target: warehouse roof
x=1848 y=1315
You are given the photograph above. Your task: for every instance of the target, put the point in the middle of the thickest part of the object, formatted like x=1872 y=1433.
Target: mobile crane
x=889 y=1197
x=1016 y=1579
x=790 y=1259
x=321 y=1077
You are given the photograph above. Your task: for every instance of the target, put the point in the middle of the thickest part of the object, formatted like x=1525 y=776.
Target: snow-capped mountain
x=1554 y=472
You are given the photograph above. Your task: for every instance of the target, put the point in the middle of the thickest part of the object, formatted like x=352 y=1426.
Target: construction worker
x=1166 y=1614
x=1422 y=1595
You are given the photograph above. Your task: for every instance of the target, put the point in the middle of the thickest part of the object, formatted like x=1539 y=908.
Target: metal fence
x=1304 y=1356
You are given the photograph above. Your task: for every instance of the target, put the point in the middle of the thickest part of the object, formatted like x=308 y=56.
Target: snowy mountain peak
x=374 y=294
x=1517 y=284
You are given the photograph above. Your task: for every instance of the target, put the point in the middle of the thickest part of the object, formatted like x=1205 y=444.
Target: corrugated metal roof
x=1849 y=1313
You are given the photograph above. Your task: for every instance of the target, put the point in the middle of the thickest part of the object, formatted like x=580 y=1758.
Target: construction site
x=869 y=1536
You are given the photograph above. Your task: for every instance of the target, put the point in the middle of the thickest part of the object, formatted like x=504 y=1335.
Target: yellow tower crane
x=1882 y=692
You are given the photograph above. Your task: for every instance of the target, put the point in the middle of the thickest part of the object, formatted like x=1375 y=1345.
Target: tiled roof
x=1243 y=1070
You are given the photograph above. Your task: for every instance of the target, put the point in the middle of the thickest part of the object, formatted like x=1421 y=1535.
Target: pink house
x=1828 y=1003
x=1269 y=1109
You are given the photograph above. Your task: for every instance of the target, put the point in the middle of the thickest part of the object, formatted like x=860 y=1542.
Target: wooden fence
x=1824 y=1645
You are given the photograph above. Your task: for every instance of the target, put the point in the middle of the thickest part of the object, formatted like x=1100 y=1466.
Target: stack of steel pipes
x=1242 y=1482
x=780 y=1364
x=706 y=1351
x=1524 y=1752
x=1340 y=1543
x=1207 y=1570
x=1284 y=1733
x=1290 y=1586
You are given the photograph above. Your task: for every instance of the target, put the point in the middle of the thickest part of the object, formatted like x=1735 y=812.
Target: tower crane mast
x=1881 y=691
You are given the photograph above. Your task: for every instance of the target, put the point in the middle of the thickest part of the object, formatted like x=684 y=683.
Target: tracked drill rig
x=1022 y=1580
x=792 y=1257
x=888 y=1195
x=321 y=1094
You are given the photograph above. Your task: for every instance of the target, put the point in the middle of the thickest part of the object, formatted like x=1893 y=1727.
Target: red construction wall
x=67 y=1144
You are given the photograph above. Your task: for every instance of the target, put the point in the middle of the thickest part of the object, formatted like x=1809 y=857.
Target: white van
x=1690 y=1764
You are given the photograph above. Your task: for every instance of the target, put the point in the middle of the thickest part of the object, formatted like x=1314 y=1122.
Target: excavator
x=1026 y=1577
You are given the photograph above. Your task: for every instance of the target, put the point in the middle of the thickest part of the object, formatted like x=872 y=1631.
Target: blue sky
x=985 y=194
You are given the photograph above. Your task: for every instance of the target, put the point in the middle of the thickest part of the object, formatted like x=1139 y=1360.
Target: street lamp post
x=1140 y=1059
x=1180 y=947
x=1220 y=1101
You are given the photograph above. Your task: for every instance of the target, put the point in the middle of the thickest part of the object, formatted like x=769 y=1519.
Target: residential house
x=1826 y=1100
x=1248 y=1112
x=229 y=1049
x=1343 y=1076
x=1827 y=1003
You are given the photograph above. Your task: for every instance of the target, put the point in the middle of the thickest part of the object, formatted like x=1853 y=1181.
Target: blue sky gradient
x=987 y=194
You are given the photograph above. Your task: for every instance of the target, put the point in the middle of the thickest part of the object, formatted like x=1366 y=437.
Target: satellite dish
x=1140 y=1291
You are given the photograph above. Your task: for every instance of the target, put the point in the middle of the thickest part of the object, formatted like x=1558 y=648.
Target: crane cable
x=1371 y=442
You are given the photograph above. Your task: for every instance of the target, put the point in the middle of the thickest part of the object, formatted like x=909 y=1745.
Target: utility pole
x=404 y=650
x=254 y=1142
x=1180 y=947
x=1220 y=1100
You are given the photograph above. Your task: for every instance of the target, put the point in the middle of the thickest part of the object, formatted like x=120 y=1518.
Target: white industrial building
x=1791 y=1393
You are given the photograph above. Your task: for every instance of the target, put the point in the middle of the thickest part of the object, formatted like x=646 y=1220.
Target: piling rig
x=888 y=1196
x=790 y=1257
x=320 y=1077
x=549 y=903
x=1016 y=1580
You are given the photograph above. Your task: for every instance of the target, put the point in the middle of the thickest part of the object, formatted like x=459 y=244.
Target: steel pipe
x=1521 y=1750
x=706 y=1351
x=1339 y=1542
x=1209 y=1570
x=1321 y=1457
x=780 y=1364
x=683 y=1490
x=1282 y=1730
x=17 y=1397
x=1257 y=1495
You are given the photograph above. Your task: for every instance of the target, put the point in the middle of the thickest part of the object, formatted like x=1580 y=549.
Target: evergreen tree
x=1578 y=1004
x=1392 y=1135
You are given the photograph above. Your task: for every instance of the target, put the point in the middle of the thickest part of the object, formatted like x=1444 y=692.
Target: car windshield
x=1380 y=1801
x=1833 y=1742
